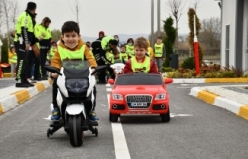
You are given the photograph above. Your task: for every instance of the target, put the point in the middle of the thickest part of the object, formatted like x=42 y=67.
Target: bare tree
x=1 y=14
x=210 y=34
x=176 y=9
x=6 y=16
x=76 y=10
x=14 y=11
x=195 y=4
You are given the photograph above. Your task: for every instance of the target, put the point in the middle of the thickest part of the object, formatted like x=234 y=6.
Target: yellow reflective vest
x=158 y=50
x=130 y=50
x=123 y=56
x=141 y=67
x=68 y=54
x=110 y=57
x=12 y=57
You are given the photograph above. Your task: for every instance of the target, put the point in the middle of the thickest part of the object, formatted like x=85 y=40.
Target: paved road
x=6 y=82
x=210 y=133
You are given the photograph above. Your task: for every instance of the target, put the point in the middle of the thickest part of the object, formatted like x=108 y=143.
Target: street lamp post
x=152 y=22
x=158 y=15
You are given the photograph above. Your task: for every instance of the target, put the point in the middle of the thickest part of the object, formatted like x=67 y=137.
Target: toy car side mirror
x=168 y=80
x=111 y=81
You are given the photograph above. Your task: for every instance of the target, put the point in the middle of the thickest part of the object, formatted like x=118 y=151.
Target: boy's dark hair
x=141 y=42
x=159 y=37
x=113 y=42
x=130 y=39
x=70 y=26
x=123 y=46
x=31 y=6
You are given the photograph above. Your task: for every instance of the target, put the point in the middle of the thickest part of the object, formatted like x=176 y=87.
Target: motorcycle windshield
x=77 y=77
x=76 y=69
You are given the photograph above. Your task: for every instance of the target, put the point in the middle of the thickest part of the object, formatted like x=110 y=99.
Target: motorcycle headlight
x=117 y=97
x=160 y=96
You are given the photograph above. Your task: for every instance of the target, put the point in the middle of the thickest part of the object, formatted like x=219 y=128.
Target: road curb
x=213 y=99
x=18 y=97
x=210 y=80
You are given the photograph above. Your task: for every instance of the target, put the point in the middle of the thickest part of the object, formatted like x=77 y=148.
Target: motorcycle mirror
x=52 y=69
x=99 y=69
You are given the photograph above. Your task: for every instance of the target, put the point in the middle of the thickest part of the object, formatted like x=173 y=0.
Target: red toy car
x=139 y=93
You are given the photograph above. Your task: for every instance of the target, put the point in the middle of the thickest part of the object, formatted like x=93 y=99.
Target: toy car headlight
x=117 y=96
x=160 y=96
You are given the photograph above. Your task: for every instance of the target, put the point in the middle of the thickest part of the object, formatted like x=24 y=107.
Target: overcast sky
x=115 y=16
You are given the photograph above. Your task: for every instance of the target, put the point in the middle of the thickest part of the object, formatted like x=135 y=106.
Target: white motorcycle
x=75 y=98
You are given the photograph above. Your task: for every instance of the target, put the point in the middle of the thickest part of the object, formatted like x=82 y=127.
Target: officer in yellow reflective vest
x=12 y=60
x=45 y=44
x=25 y=31
x=159 y=53
x=130 y=47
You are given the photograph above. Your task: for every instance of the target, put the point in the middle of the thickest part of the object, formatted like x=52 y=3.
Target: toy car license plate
x=138 y=104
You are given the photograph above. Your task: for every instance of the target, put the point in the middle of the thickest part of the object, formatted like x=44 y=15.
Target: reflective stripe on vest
x=159 y=50
x=68 y=54
x=141 y=67
x=130 y=50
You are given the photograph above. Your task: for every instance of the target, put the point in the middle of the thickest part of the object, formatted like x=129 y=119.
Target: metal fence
x=209 y=54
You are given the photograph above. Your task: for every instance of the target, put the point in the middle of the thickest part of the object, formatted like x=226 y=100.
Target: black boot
x=24 y=85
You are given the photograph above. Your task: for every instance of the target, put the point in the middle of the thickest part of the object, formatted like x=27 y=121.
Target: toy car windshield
x=139 y=79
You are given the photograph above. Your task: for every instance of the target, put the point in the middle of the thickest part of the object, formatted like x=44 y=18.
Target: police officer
x=45 y=44
x=25 y=33
x=99 y=49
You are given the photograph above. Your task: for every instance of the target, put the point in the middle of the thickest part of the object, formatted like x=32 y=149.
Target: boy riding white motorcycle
x=70 y=47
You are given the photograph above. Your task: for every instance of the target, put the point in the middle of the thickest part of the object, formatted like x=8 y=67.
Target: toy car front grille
x=138 y=101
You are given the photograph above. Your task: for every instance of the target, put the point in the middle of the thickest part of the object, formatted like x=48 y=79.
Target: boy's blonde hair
x=141 y=42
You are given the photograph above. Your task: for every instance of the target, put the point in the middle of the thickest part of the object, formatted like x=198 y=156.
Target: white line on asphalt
x=108 y=85
x=109 y=89
x=121 y=149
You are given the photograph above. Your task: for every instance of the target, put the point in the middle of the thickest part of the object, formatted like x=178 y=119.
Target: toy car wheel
x=113 y=117
x=165 y=117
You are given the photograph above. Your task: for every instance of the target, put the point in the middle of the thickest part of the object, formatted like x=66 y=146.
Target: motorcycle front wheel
x=75 y=130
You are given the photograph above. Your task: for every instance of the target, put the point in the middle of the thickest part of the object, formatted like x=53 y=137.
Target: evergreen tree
x=169 y=39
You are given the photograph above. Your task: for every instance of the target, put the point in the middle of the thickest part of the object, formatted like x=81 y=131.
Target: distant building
x=234 y=38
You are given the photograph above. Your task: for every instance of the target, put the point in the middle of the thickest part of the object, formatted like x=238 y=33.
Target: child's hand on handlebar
x=54 y=75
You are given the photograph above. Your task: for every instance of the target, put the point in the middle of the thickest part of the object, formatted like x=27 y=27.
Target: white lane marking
x=174 y=115
x=189 y=84
x=108 y=85
x=121 y=149
x=103 y=105
x=109 y=89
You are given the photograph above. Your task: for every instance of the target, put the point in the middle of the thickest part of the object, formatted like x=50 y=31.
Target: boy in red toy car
x=140 y=62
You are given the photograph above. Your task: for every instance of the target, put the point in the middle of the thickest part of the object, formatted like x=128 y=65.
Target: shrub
x=188 y=63
x=167 y=69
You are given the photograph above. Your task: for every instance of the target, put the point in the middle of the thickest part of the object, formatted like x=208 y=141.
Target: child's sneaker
x=92 y=116
x=55 y=114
